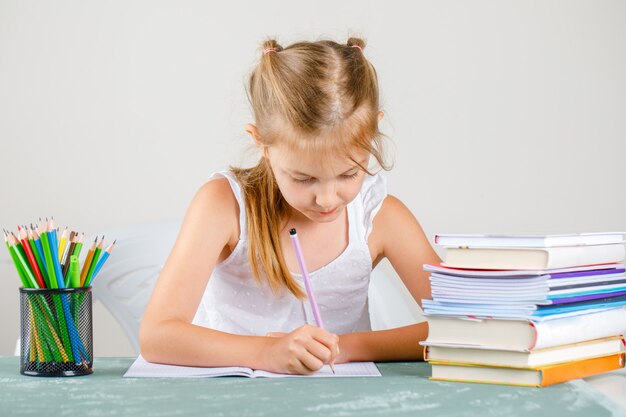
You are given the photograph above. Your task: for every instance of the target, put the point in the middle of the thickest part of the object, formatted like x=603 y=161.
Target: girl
x=228 y=294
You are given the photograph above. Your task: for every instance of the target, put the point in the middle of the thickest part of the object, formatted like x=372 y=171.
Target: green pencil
x=48 y=258
x=79 y=245
x=33 y=247
x=94 y=261
x=13 y=247
x=16 y=262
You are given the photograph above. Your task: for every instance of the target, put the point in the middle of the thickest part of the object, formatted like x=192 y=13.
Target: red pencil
x=31 y=257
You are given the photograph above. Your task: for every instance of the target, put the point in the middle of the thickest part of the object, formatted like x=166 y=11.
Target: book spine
x=535 y=335
x=579 y=328
x=581 y=369
x=566 y=256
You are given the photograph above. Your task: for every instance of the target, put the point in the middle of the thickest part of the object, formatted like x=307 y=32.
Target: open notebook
x=142 y=369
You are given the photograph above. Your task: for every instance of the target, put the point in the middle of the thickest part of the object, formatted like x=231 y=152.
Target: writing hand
x=302 y=351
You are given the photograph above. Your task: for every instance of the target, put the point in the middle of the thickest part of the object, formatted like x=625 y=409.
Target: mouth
x=326 y=213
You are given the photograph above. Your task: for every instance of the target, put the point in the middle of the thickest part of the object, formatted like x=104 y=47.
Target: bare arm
x=396 y=235
x=208 y=234
x=166 y=334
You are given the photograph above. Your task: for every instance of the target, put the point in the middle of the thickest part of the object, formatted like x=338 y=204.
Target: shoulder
x=215 y=210
x=392 y=212
x=217 y=190
x=216 y=193
x=390 y=222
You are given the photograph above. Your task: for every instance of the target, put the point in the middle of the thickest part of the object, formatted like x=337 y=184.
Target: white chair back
x=390 y=303
x=126 y=280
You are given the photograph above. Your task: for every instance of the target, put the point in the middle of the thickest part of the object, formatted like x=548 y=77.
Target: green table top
x=403 y=390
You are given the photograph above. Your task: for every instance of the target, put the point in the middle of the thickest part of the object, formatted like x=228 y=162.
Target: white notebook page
x=143 y=369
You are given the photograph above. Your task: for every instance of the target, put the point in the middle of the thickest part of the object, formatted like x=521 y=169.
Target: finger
x=330 y=340
x=319 y=350
x=336 y=353
x=310 y=362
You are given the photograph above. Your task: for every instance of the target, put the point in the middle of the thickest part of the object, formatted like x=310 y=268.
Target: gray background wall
x=504 y=116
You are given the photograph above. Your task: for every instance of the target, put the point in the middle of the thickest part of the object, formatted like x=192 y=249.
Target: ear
x=253 y=131
x=380 y=115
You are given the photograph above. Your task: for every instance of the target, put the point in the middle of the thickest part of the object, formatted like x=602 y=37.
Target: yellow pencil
x=62 y=244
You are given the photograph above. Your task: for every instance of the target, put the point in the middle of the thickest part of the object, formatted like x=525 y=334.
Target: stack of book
x=526 y=310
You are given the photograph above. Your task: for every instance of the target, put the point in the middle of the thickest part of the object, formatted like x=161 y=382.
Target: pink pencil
x=307 y=282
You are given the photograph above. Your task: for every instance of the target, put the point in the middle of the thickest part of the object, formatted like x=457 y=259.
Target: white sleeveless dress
x=235 y=302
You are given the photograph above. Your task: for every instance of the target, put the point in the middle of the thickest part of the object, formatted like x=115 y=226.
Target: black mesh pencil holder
x=57 y=332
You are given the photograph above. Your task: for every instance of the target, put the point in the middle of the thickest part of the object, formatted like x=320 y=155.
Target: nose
x=326 y=196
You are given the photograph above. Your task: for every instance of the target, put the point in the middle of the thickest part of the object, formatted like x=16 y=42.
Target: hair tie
x=357 y=46
x=268 y=50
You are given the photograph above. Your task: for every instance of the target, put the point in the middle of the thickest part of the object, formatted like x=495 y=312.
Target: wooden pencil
x=62 y=243
x=87 y=264
x=68 y=254
x=94 y=261
x=30 y=256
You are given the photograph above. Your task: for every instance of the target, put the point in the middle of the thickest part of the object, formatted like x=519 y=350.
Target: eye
x=350 y=176
x=303 y=180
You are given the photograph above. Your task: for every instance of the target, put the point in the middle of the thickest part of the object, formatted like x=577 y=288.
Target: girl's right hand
x=303 y=351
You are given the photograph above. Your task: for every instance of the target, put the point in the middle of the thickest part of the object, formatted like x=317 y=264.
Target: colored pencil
x=68 y=255
x=15 y=261
x=31 y=257
x=62 y=243
x=18 y=245
x=307 y=281
x=87 y=264
x=94 y=261
x=67 y=252
x=38 y=256
x=79 y=245
x=48 y=248
x=54 y=248
x=37 y=240
x=23 y=263
x=47 y=256
x=101 y=262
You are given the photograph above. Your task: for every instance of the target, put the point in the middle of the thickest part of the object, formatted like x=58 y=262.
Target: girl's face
x=318 y=188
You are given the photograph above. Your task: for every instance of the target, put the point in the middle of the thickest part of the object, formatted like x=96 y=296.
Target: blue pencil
x=101 y=262
x=54 y=248
x=75 y=342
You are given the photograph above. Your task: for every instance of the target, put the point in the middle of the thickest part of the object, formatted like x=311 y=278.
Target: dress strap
x=236 y=188
x=365 y=206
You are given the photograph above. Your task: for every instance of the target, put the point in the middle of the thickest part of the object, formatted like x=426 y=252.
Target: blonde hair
x=319 y=97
